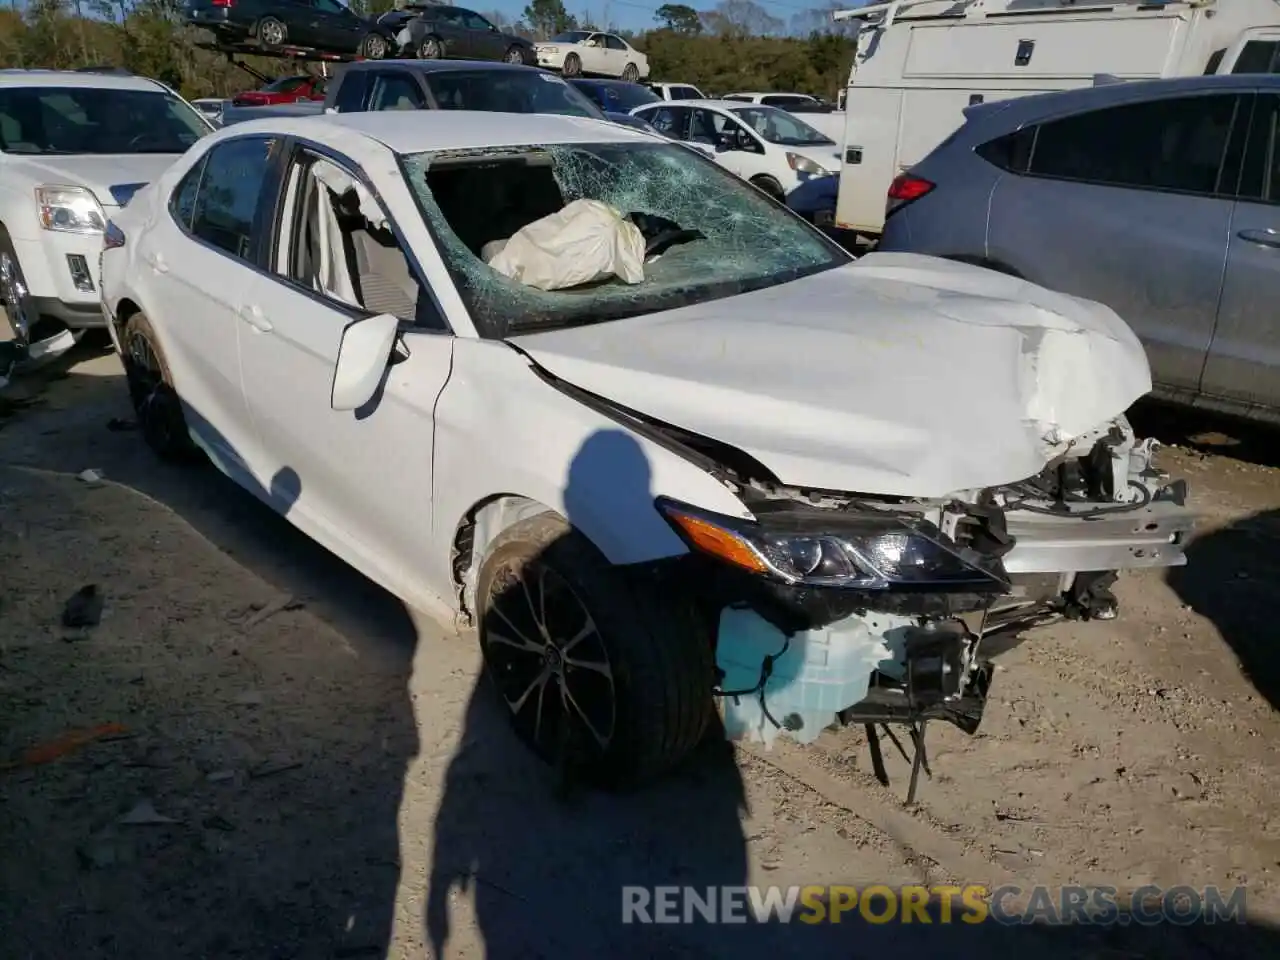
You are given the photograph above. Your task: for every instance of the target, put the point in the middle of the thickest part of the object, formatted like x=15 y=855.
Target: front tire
x=595 y=668
x=770 y=186
x=514 y=55
x=374 y=47
x=572 y=66
x=155 y=400
x=271 y=32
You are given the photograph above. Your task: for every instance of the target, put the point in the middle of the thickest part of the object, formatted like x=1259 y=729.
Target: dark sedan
x=321 y=24
x=439 y=32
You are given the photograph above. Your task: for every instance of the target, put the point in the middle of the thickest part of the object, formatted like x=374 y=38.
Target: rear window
x=513 y=91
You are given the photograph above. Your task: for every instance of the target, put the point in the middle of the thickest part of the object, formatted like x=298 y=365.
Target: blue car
x=815 y=200
x=617 y=98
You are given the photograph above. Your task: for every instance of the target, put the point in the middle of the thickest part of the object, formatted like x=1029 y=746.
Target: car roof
x=442 y=66
x=74 y=78
x=416 y=131
x=1021 y=110
x=712 y=104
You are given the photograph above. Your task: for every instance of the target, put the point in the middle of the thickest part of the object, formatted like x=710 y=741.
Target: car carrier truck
x=919 y=63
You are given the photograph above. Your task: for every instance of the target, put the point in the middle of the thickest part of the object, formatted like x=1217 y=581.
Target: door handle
x=1265 y=238
x=157 y=263
x=254 y=317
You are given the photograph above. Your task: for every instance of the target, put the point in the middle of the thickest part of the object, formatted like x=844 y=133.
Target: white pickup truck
x=74 y=147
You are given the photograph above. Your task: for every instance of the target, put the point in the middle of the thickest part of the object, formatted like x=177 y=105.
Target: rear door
x=1130 y=205
x=1244 y=357
x=449 y=25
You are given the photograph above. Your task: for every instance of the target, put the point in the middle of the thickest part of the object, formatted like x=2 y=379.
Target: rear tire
x=631 y=73
x=431 y=49
x=271 y=32
x=572 y=66
x=589 y=661
x=155 y=400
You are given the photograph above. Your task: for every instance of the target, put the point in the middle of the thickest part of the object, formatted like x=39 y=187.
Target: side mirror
x=363 y=356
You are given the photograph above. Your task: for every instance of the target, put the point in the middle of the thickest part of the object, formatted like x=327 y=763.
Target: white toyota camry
x=661 y=441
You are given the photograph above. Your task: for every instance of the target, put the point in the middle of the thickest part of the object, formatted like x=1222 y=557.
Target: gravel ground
x=318 y=775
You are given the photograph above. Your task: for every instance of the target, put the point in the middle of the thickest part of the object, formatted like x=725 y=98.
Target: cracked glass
x=709 y=235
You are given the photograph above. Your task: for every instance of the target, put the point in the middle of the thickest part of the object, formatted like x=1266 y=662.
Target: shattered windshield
x=778 y=126
x=706 y=233
x=47 y=121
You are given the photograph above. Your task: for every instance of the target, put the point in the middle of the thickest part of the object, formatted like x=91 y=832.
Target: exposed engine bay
x=884 y=611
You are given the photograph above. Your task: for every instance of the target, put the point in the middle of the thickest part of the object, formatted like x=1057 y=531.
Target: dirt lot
x=318 y=779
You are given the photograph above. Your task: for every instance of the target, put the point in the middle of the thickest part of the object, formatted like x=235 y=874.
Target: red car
x=284 y=90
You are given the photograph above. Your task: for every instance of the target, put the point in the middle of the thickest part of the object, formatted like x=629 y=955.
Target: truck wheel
x=631 y=73
x=271 y=32
x=770 y=186
x=431 y=49
x=596 y=670
x=373 y=47
x=572 y=65
x=155 y=401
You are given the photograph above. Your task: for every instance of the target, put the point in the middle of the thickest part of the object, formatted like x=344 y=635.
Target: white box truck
x=919 y=63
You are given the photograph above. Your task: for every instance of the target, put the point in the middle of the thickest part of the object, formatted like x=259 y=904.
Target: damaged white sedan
x=662 y=442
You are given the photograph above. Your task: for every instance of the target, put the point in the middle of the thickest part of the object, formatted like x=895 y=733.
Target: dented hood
x=899 y=374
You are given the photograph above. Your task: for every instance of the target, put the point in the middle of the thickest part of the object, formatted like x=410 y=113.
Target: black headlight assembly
x=863 y=551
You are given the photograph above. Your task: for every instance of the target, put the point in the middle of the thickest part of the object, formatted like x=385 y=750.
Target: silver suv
x=1158 y=198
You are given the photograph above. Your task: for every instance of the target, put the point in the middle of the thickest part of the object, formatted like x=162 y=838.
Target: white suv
x=74 y=147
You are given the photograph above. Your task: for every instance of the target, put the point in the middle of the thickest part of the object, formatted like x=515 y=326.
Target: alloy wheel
x=153 y=400
x=546 y=656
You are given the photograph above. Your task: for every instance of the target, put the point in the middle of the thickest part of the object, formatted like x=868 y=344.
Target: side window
x=329 y=6
x=706 y=127
x=1260 y=175
x=668 y=121
x=336 y=251
x=685 y=93
x=1172 y=144
x=1258 y=56
x=474 y=21
x=227 y=200
x=182 y=203
x=351 y=89
x=782 y=100
x=1011 y=152
x=396 y=91
x=613 y=43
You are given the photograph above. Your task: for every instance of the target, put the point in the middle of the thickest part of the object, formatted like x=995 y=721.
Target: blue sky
x=639 y=14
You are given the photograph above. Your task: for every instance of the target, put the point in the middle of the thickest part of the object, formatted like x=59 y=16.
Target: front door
x=487 y=42
x=196 y=255
x=360 y=481
x=1244 y=357
x=336 y=28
